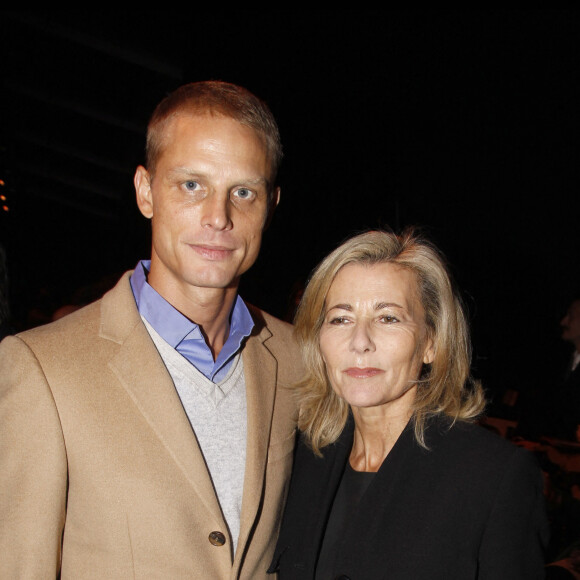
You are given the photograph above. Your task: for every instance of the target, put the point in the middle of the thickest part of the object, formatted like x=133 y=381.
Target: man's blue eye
x=243 y=193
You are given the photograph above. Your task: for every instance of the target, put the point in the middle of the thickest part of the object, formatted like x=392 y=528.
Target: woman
x=392 y=478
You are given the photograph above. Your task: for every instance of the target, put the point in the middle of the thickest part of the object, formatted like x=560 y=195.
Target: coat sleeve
x=517 y=530
x=33 y=473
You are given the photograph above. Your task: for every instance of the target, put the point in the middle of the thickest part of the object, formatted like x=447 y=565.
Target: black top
x=352 y=488
x=470 y=507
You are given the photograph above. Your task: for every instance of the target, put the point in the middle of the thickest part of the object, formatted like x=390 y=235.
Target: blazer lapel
x=260 y=371
x=315 y=481
x=329 y=473
x=142 y=373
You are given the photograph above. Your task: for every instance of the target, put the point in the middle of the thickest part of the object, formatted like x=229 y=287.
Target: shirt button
x=217 y=539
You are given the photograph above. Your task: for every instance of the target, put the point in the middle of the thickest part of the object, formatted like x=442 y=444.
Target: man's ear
x=272 y=205
x=142 y=181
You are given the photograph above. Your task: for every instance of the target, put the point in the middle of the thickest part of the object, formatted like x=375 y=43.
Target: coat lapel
x=141 y=372
x=260 y=371
x=316 y=479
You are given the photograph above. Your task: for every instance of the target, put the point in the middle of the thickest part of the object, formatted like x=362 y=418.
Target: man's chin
x=214 y=281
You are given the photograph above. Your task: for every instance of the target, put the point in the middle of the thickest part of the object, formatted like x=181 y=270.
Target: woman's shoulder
x=469 y=443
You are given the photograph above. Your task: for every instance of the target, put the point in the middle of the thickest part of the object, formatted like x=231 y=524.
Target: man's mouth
x=210 y=252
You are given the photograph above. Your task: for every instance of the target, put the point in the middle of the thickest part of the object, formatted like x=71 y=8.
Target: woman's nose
x=361 y=339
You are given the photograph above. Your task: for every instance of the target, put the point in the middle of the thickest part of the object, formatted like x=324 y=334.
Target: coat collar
x=260 y=370
x=318 y=478
x=142 y=373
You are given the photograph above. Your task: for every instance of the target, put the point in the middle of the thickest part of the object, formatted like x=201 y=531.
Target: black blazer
x=469 y=507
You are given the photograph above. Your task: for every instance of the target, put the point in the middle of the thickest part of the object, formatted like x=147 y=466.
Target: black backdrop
x=462 y=122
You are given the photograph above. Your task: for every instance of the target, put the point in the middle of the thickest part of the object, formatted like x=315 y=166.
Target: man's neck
x=209 y=308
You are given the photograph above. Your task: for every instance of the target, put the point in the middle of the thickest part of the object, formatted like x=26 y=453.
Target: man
x=566 y=413
x=150 y=434
x=551 y=408
x=571 y=331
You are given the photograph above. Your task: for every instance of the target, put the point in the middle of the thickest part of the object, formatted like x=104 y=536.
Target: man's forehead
x=208 y=115
x=179 y=119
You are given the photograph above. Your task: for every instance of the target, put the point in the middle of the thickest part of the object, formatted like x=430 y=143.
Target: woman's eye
x=337 y=320
x=389 y=319
x=244 y=193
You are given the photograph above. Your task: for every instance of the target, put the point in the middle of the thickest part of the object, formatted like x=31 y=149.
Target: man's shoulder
x=264 y=320
x=80 y=325
x=278 y=338
x=80 y=321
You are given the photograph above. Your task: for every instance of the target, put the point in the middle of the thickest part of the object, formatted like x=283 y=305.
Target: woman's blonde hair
x=445 y=386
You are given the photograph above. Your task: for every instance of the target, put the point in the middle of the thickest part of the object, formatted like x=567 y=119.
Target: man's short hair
x=214 y=98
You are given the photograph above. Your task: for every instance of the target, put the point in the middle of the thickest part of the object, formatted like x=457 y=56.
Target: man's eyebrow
x=186 y=171
x=256 y=181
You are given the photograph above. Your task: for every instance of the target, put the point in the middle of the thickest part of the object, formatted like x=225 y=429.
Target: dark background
x=462 y=122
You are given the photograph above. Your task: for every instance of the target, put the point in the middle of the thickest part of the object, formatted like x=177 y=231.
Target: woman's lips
x=362 y=373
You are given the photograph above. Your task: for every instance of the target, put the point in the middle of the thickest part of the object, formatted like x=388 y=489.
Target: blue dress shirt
x=183 y=334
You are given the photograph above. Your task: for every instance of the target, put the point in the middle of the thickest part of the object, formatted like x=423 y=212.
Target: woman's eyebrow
x=341 y=307
x=381 y=305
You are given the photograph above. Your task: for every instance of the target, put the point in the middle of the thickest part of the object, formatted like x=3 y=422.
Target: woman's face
x=374 y=338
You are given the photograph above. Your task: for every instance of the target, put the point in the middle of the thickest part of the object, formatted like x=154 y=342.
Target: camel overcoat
x=101 y=475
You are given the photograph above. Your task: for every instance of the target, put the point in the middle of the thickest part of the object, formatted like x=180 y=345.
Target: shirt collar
x=174 y=327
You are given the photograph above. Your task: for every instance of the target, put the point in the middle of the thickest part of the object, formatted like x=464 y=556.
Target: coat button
x=217 y=539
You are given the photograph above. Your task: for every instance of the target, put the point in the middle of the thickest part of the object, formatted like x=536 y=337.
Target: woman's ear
x=429 y=352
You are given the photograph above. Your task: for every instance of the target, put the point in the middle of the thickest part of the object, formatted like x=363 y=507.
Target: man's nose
x=216 y=212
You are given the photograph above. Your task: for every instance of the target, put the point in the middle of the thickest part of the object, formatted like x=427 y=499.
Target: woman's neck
x=374 y=438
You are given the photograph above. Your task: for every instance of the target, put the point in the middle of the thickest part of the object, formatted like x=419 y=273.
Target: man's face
x=208 y=201
x=571 y=324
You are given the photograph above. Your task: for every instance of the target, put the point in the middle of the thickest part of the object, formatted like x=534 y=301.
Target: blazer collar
x=261 y=371
x=139 y=367
x=142 y=373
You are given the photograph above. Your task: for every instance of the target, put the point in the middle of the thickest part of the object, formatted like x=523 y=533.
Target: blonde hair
x=445 y=386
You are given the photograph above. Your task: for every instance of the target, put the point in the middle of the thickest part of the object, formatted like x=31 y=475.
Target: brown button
x=217 y=539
